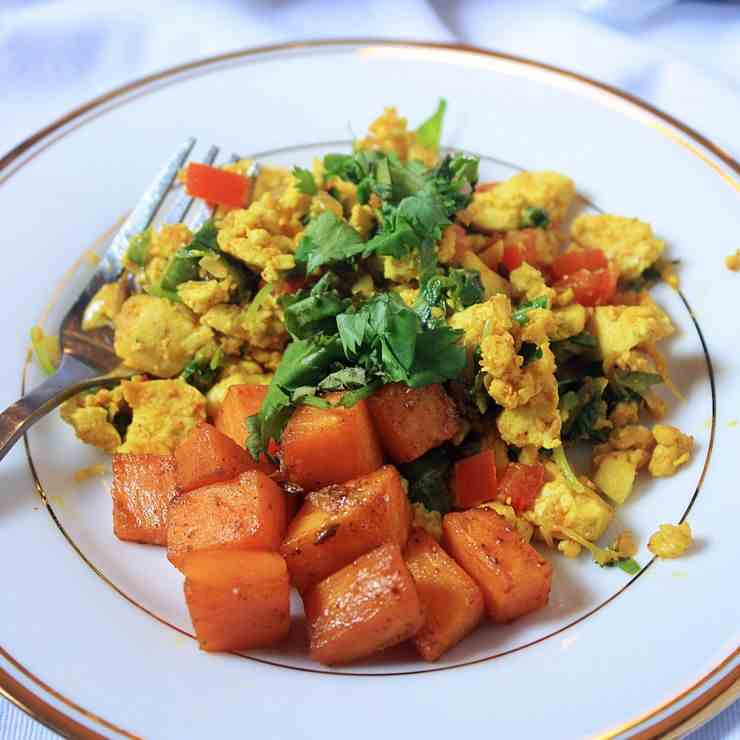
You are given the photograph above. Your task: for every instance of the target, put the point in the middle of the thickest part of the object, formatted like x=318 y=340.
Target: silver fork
x=87 y=358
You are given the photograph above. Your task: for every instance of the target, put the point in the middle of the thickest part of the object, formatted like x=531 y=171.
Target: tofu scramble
x=389 y=271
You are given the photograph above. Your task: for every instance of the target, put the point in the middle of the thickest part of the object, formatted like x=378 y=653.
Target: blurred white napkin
x=683 y=57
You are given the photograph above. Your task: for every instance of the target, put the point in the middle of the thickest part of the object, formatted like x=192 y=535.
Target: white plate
x=95 y=633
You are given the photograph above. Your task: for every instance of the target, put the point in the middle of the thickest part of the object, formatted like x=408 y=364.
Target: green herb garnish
x=304 y=181
x=521 y=314
x=429 y=134
x=537 y=218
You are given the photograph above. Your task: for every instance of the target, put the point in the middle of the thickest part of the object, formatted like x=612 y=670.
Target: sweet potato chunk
x=367 y=606
x=410 y=421
x=237 y=599
x=325 y=446
x=451 y=601
x=341 y=522
x=247 y=513
x=143 y=486
x=513 y=577
x=241 y=402
x=207 y=456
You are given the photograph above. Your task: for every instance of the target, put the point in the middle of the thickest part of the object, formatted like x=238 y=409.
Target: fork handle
x=72 y=377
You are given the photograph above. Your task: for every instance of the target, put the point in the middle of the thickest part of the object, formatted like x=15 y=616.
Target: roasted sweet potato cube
x=410 y=421
x=325 y=446
x=241 y=402
x=451 y=601
x=247 y=513
x=513 y=577
x=366 y=607
x=237 y=599
x=143 y=486
x=208 y=456
x=341 y=522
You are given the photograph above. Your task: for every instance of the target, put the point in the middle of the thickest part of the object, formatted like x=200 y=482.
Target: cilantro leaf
x=439 y=357
x=429 y=133
x=535 y=218
x=315 y=311
x=530 y=352
x=304 y=181
x=632 y=386
x=629 y=565
x=580 y=344
x=520 y=315
x=327 y=240
x=305 y=363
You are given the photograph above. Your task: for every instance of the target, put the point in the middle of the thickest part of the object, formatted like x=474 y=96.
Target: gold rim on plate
x=718 y=695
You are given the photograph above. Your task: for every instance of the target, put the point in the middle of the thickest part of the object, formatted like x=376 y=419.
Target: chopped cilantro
x=521 y=314
x=537 y=218
x=327 y=240
x=138 y=247
x=429 y=134
x=304 y=181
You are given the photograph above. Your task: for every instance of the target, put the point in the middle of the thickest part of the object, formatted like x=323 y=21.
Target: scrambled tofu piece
x=105 y=306
x=493 y=283
x=560 y=506
x=569 y=321
x=402 y=270
x=157 y=336
x=634 y=439
x=263 y=235
x=672 y=450
x=389 y=133
x=671 y=541
x=164 y=411
x=201 y=295
x=321 y=202
x=732 y=261
x=430 y=521
x=629 y=242
x=625 y=413
x=502 y=208
x=619 y=329
x=615 y=474
x=481 y=319
x=272 y=180
x=537 y=422
x=528 y=283
x=162 y=245
x=362 y=218
x=244 y=372
x=625 y=544
x=92 y=417
x=262 y=328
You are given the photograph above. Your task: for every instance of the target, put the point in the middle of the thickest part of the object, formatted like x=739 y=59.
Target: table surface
x=57 y=55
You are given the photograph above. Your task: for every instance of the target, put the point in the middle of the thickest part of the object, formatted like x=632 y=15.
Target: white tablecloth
x=683 y=57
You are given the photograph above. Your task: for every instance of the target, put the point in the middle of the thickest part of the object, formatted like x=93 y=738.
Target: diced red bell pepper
x=581 y=259
x=520 y=485
x=591 y=288
x=484 y=187
x=217 y=186
x=524 y=249
x=474 y=480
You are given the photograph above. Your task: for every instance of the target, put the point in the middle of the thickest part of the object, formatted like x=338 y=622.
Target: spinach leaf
x=429 y=133
x=632 y=386
x=584 y=412
x=580 y=344
x=428 y=479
